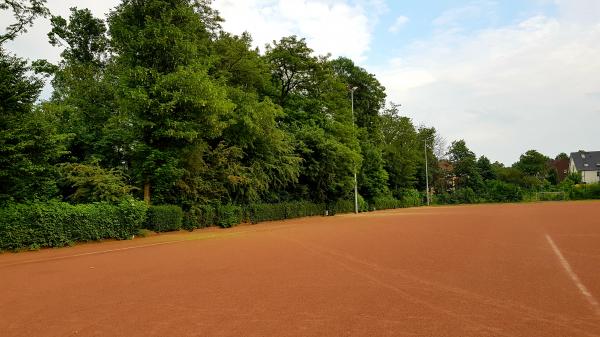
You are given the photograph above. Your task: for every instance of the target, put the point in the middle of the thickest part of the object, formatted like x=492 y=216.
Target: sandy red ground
x=443 y=271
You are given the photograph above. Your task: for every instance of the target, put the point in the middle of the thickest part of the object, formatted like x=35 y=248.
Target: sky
x=506 y=76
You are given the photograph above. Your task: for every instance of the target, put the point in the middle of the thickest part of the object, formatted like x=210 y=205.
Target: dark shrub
x=229 y=215
x=386 y=203
x=57 y=224
x=83 y=183
x=460 y=196
x=266 y=212
x=199 y=216
x=499 y=191
x=583 y=192
x=300 y=209
x=411 y=198
x=165 y=218
x=343 y=206
x=288 y=210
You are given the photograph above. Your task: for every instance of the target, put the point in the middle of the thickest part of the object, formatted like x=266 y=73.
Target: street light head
x=354 y=88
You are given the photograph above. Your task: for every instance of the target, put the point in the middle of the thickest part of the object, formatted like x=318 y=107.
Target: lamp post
x=426 y=174
x=355 y=174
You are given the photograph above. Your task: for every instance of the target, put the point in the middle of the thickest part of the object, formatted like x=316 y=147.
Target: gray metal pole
x=426 y=174
x=355 y=175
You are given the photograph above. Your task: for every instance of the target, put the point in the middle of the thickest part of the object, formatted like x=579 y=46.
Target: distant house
x=561 y=166
x=448 y=180
x=587 y=164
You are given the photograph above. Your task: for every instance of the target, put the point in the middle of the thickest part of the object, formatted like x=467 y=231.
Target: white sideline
x=565 y=264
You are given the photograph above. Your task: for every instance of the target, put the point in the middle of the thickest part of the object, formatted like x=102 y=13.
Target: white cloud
x=329 y=26
x=400 y=22
x=582 y=11
x=339 y=27
x=34 y=44
x=529 y=85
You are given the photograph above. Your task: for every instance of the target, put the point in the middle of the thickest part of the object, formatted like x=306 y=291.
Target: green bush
x=411 y=198
x=585 y=192
x=229 y=216
x=552 y=196
x=288 y=210
x=164 y=218
x=382 y=203
x=83 y=183
x=460 y=196
x=58 y=224
x=302 y=209
x=363 y=206
x=343 y=206
x=499 y=191
x=266 y=212
x=199 y=216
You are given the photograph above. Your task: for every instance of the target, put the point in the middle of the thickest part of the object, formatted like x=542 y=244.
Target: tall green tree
x=167 y=93
x=30 y=145
x=83 y=93
x=267 y=161
x=293 y=68
x=402 y=150
x=372 y=178
x=369 y=95
x=464 y=162
x=317 y=113
x=485 y=168
x=534 y=164
x=369 y=99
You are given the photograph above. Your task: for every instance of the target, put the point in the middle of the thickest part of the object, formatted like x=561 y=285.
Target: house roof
x=561 y=166
x=445 y=165
x=586 y=161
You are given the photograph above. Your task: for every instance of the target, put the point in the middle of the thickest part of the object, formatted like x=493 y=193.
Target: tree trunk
x=147 y=198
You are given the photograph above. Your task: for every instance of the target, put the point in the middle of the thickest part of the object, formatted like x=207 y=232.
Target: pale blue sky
x=425 y=18
x=505 y=75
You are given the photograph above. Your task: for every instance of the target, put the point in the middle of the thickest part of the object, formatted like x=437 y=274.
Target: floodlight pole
x=427 y=175
x=355 y=174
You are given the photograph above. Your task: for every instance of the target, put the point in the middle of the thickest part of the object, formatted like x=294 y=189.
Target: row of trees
x=158 y=102
x=469 y=179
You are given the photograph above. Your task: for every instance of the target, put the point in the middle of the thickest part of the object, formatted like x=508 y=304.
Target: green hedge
x=266 y=212
x=499 y=191
x=199 y=216
x=300 y=209
x=342 y=206
x=165 y=218
x=229 y=215
x=58 y=224
x=386 y=203
x=289 y=210
x=585 y=192
x=460 y=196
x=411 y=198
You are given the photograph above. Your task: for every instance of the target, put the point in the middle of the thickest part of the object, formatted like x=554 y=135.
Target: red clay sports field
x=495 y=270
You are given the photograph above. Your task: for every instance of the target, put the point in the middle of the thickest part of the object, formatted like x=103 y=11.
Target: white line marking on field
x=565 y=264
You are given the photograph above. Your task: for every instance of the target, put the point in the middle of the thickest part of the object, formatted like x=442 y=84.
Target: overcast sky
x=507 y=76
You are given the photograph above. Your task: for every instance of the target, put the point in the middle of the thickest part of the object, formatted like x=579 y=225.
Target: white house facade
x=587 y=164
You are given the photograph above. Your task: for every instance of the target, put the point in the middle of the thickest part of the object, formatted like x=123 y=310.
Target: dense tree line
x=158 y=102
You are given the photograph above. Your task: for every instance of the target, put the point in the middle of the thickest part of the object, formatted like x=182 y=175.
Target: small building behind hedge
x=587 y=164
